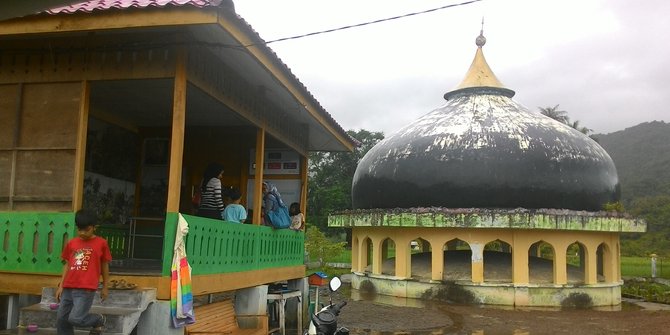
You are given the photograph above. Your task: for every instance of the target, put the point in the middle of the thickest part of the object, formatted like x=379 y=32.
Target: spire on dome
x=480 y=74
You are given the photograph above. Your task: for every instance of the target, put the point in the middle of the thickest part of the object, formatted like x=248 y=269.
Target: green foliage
x=656 y=212
x=330 y=177
x=614 y=207
x=320 y=248
x=647 y=290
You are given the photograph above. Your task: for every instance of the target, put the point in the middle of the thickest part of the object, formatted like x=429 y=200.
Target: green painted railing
x=32 y=242
x=214 y=246
x=117 y=237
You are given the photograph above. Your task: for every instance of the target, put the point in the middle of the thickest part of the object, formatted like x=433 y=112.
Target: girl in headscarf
x=211 y=199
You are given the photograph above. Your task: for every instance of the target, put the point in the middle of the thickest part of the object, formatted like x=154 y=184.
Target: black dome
x=482 y=149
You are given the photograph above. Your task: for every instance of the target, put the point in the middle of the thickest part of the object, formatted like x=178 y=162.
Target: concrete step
x=138 y=298
x=120 y=320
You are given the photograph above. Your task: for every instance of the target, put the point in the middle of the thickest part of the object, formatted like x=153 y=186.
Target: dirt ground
x=367 y=317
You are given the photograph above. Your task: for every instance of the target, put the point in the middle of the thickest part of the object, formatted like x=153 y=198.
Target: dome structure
x=482 y=149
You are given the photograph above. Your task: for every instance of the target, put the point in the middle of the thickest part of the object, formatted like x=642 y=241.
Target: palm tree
x=583 y=130
x=554 y=113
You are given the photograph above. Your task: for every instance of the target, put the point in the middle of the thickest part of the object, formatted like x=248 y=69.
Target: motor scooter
x=324 y=322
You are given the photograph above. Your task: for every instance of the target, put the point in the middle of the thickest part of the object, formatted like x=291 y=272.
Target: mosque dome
x=482 y=149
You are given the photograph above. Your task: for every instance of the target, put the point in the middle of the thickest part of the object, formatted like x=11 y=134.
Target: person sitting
x=297 y=219
x=234 y=212
x=275 y=213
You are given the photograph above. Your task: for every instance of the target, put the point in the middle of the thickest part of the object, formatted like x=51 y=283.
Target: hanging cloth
x=181 y=297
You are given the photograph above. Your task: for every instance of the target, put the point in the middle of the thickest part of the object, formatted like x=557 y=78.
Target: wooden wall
x=38 y=145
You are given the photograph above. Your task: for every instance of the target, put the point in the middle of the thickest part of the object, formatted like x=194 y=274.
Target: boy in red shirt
x=87 y=256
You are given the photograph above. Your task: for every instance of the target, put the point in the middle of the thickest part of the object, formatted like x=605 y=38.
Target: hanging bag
x=279 y=218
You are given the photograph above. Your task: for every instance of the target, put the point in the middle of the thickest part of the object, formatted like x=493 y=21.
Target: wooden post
x=80 y=154
x=177 y=136
x=258 y=175
x=303 y=188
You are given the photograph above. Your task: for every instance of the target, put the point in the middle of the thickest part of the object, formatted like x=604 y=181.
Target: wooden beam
x=112 y=19
x=80 y=153
x=178 y=130
x=205 y=284
x=258 y=175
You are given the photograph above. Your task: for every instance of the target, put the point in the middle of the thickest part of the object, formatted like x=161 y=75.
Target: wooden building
x=119 y=106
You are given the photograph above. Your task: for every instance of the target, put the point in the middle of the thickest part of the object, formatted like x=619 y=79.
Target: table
x=280 y=299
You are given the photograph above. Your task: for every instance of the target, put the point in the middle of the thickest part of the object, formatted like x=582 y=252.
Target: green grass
x=641 y=267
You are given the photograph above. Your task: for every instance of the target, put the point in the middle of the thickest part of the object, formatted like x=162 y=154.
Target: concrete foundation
x=492 y=293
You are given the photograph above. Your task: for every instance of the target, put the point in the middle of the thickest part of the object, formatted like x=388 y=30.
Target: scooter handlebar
x=336 y=308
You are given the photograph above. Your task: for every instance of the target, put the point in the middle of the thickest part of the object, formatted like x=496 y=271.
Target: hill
x=642 y=158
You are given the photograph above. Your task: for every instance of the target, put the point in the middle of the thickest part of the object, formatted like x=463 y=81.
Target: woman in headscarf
x=211 y=199
x=272 y=204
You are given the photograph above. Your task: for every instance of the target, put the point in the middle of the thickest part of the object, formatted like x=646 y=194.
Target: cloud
x=605 y=62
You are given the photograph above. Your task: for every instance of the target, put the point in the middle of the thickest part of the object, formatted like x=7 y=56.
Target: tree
x=554 y=113
x=562 y=117
x=330 y=177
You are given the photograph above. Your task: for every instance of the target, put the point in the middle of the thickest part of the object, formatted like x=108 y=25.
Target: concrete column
x=403 y=260
x=292 y=319
x=560 y=265
x=156 y=320
x=590 y=266
x=377 y=257
x=251 y=301
x=520 y=263
x=609 y=266
x=355 y=245
x=477 y=262
x=437 y=266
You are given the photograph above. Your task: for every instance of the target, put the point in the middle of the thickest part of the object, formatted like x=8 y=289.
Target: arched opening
x=421 y=258
x=575 y=267
x=457 y=260
x=388 y=257
x=604 y=264
x=541 y=263
x=498 y=262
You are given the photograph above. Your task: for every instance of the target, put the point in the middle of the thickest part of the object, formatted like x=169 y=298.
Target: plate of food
x=121 y=285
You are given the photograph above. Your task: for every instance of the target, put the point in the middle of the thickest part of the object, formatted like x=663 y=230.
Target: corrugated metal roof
x=92 y=5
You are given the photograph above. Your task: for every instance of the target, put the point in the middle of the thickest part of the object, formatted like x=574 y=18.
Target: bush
x=321 y=249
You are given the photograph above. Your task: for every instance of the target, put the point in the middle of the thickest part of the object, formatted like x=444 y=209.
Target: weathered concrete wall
x=492 y=294
x=432 y=217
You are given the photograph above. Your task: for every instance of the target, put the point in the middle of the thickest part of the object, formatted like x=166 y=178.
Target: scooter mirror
x=335 y=284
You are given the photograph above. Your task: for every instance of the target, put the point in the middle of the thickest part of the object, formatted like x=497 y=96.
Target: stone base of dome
x=504 y=294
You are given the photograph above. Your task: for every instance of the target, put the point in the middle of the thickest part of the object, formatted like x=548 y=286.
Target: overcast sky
x=607 y=63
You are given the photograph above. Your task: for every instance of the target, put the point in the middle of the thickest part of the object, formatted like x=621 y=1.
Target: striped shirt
x=211 y=197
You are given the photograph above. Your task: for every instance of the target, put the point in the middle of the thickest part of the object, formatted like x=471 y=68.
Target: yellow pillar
x=437 y=266
x=560 y=265
x=355 y=245
x=477 y=262
x=377 y=258
x=590 y=266
x=177 y=136
x=403 y=259
x=258 y=175
x=520 y=262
